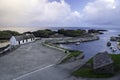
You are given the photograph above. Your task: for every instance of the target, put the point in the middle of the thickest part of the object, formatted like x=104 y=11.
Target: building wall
x=29 y=40
x=13 y=41
x=21 y=42
x=24 y=41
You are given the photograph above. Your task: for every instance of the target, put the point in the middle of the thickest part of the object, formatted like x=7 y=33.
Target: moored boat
x=108 y=43
x=77 y=43
x=114 y=50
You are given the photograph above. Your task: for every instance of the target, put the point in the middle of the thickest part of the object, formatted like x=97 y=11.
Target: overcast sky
x=15 y=14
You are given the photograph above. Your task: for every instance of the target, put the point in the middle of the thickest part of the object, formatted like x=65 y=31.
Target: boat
x=114 y=50
x=108 y=43
x=77 y=43
x=111 y=47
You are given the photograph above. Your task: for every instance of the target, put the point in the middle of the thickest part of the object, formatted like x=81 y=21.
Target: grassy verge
x=71 y=54
x=116 y=59
x=86 y=71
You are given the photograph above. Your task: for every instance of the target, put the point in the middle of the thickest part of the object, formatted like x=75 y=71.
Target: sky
x=32 y=14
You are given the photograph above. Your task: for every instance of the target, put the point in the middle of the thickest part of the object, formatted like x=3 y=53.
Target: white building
x=22 y=39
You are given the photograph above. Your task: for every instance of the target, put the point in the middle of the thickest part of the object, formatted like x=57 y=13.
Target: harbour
x=91 y=48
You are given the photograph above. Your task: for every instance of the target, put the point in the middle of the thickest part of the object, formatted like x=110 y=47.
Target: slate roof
x=24 y=36
x=101 y=59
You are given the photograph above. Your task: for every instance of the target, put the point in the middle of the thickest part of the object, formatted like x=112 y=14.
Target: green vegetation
x=69 y=33
x=86 y=71
x=43 y=33
x=48 y=33
x=72 y=33
x=116 y=59
x=72 y=53
x=4 y=35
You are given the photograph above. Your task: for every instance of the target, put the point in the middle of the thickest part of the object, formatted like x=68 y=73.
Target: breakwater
x=72 y=40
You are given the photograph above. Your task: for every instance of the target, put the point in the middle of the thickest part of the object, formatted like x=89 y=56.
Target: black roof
x=24 y=36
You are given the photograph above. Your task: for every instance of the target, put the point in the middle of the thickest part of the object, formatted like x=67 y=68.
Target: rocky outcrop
x=74 y=39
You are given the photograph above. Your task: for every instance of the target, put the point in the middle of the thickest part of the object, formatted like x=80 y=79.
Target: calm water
x=91 y=48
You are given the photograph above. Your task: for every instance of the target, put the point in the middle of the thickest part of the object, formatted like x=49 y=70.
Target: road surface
x=27 y=58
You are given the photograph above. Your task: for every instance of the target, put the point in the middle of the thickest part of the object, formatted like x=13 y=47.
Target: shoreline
x=66 y=40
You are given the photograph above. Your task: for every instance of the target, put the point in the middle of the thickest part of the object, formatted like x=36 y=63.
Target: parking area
x=27 y=58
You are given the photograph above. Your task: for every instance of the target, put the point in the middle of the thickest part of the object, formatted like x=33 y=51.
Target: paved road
x=49 y=73
x=53 y=72
x=59 y=72
x=27 y=58
x=36 y=62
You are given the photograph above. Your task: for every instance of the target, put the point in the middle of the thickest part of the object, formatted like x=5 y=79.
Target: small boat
x=114 y=50
x=108 y=43
x=111 y=47
x=77 y=43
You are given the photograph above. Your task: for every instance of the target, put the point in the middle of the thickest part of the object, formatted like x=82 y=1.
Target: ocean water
x=93 y=47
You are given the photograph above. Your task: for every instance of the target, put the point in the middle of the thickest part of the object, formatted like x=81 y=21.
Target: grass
x=116 y=59
x=88 y=72
x=72 y=54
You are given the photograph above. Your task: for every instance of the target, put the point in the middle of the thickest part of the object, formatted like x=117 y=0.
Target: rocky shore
x=72 y=39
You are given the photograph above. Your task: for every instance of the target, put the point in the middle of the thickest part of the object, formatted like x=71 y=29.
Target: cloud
x=35 y=13
x=58 y=13
x=102 y=12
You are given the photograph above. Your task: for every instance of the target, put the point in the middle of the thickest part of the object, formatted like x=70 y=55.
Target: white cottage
x=22 y=39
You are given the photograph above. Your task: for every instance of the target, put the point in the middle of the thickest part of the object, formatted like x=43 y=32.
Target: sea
x=93 y=47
